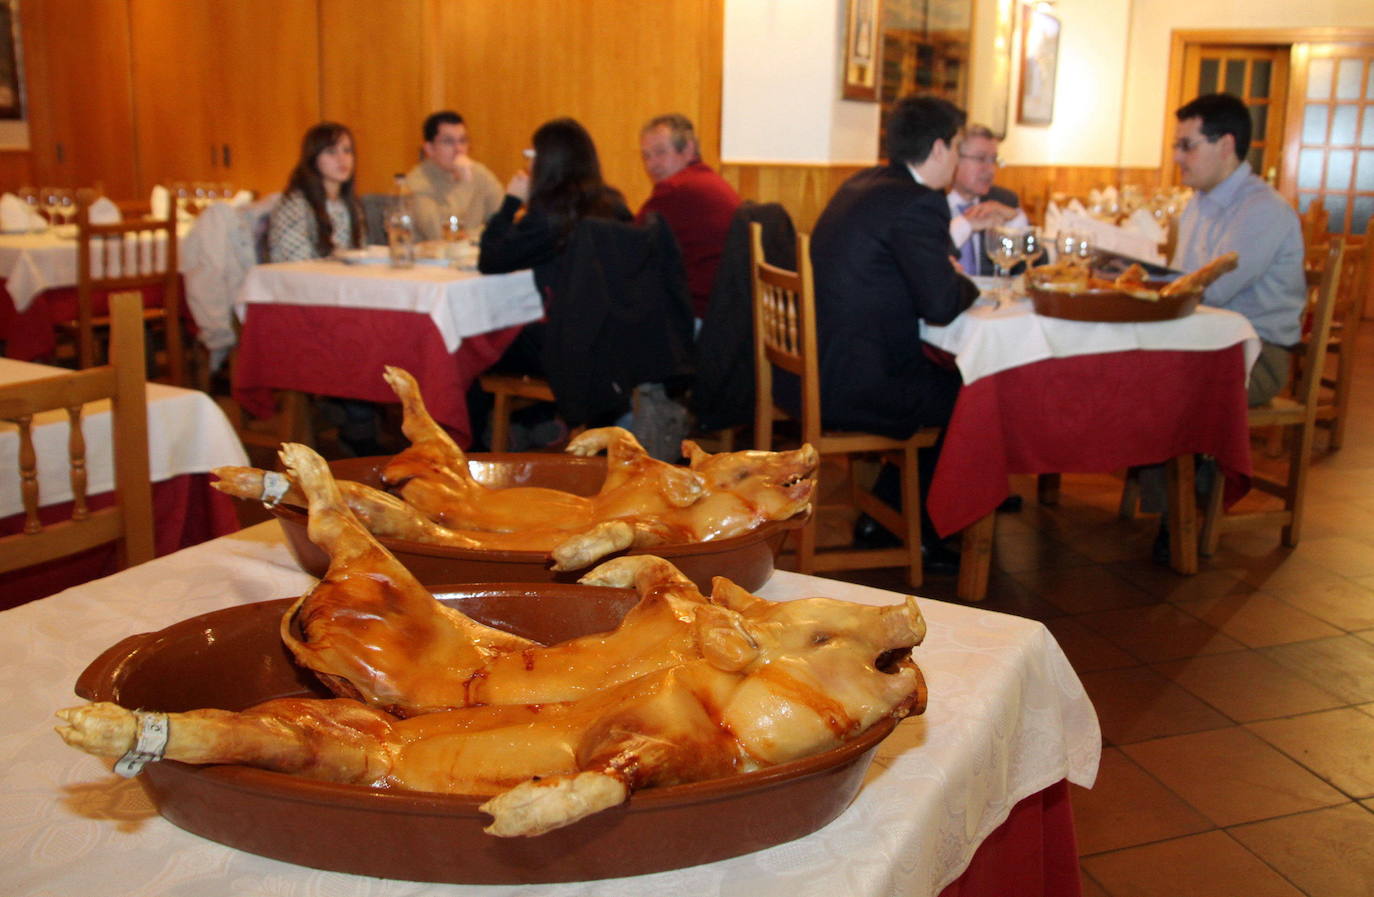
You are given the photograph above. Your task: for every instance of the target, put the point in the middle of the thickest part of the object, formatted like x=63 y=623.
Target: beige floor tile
x=1366 y=635
x=1258 y=619
x=1277 y=569
x=1166 y=585
x=1137 y=703
x=1337 y=745
x=1086 y=650
x=1343 y=666
x=1127 y=807
x=1090 y=887
x=1232 y=776
x=1159 y=632
x=1326 y=852
x=1025 y=549
x=1247 y=686
x=1341 y=602
x=1206 y=865
x=1082 y=589
x=1339 y=554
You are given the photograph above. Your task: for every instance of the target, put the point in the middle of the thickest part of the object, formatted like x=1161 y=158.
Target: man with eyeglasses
x=975 y=203
x=1235 y=210
x=448 y=182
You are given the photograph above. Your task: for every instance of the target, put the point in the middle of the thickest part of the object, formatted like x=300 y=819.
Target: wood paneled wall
x=16 y=170
x=805 y=189
x=612 y=65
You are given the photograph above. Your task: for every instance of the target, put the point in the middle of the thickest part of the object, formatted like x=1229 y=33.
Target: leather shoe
x=938 y=560
x=1011 y=504
x=869 y=533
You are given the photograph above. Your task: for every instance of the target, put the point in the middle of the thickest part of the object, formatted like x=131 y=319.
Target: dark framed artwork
x=862 y=50
x=11 y=97
x=1039 y=62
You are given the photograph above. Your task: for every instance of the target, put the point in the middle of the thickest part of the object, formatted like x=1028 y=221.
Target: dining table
x=1044 y=395
x=329 y=327
x=38 y=278
x=970 y=797
x=188 y=436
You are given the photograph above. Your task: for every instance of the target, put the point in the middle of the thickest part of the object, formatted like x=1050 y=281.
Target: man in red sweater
x=696 y=202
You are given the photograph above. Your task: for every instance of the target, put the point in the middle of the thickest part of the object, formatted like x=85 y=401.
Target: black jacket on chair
x=620 y=316
x=881 y=253
x=723 y=393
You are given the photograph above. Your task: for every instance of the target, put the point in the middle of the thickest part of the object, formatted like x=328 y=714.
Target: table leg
x=1182 y=515
x=976 y=559
x=1047 y=488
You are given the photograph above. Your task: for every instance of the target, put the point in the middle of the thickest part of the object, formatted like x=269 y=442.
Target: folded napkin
x=241 y=199
x=1076 y=207
x=1051 y=226
x=160 y=201
x=1143 y=222
x=104 y=211
x=17 y=216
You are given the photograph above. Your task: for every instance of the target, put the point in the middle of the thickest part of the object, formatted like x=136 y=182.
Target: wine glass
x=51 y=198
x=200 y=195
x=1003 y=246
x=66 y=205
x=1032 y=245
x=30 y=197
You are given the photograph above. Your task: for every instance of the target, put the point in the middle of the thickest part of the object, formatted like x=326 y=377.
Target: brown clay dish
x=234 y=658
x=747 y=559
x=1110 y=306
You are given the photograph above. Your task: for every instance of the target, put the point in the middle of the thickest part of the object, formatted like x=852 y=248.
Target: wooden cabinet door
x=76 y=56
x=223 y=91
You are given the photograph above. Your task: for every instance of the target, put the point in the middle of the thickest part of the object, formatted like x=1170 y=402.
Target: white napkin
x=1051 y=226
x=16 y=216
x=159 y=202
x=241 y=199
x=104 y=211
x=1143 y=222
x=1076 y=207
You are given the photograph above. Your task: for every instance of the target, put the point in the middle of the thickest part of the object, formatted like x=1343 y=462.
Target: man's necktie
x=968 y=253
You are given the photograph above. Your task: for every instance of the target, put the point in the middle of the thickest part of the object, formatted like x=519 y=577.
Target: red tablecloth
x=186 y=510
x=340 y=352
x=31 y=336
x=1033 y=854
x=1090 y=414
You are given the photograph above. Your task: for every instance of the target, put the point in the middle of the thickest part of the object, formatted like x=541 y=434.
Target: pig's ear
x=724 y=643
x=726 y=594
x=694 y=453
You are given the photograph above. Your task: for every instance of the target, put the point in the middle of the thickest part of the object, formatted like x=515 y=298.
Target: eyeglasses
x=451 y=141
x=995 y=161
x=1184 y=145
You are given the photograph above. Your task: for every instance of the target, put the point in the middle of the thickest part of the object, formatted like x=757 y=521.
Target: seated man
x=882 y=258
x=449 y=181
x=1234 y=210
x=976 y=203
x=697 y=203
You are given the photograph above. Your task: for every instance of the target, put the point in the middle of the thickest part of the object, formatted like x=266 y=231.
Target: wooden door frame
x=1181 y=38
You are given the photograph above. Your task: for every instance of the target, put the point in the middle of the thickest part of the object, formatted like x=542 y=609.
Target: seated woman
x=319 y=213
x=319 y=210
x=563 y=187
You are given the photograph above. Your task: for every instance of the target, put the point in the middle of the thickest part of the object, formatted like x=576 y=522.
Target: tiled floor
x=1237 y=706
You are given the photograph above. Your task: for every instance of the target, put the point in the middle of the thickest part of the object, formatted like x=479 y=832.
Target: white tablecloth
x=32 y=263
x=1007 y=718
x=986 y=340
x=187 y=433
x=461 y=303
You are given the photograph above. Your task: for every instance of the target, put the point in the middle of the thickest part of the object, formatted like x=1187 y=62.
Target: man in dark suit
x=883 y=262
x=976 y=203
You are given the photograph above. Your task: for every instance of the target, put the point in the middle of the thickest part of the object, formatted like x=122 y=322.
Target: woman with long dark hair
x=319 y=210
x=563 y=187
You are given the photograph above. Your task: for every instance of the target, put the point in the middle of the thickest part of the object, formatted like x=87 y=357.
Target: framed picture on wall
x=862 y=48
x=11 y=102
x=1039 y=62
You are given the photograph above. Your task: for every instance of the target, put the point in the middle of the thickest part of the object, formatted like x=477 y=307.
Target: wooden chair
x=131 y=255
x=1333 y=408
x=1298 y=414
x=509 y=392
x=130 y=520
x=785 y=337
x=1315 y=223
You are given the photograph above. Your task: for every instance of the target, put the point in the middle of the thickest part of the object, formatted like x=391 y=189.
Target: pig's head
x=816 y=672
x=778 y=484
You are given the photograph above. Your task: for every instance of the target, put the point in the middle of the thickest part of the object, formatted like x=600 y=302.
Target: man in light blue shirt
x=1234 y=210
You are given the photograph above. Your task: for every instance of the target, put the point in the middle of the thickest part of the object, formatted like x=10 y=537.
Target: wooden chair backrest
x=140 y=253
x=1323 y=312
x=130 y=519
x=784 y=334
x=1354 y=282
x=1315 y=222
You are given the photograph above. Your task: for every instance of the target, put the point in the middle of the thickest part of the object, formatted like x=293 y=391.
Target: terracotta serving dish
x=747 y=559
x=234 y=658
x=1110 y=306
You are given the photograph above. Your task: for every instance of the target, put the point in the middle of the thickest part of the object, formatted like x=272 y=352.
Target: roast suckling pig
x=642 y=503
x=688 y=687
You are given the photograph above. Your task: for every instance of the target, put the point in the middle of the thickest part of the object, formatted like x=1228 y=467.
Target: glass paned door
x=1259 y=76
